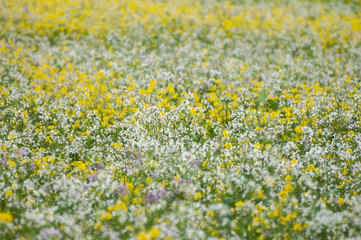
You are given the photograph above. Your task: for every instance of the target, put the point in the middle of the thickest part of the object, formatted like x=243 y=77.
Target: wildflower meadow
x=156 y=119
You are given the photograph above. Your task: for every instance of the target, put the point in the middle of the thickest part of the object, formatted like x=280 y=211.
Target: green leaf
x=261 y=97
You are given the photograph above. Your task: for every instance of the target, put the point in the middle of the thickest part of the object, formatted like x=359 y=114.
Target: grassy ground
x=149 y=119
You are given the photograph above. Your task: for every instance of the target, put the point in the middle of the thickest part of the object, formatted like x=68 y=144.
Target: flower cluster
x=146 y=119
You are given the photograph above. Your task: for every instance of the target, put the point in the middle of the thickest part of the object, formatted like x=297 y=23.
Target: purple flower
x=31 y=166
x=163 y=192
x=22 y=152
x=97 y=167
x=152 y=198
x=48 y=233
x=4 y=161
x=139 y=165
x=196 y=164
x=93 y=177
x=182 y=180
x=122 y=191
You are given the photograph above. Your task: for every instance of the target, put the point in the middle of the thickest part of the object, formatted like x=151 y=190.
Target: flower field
x=154 y=119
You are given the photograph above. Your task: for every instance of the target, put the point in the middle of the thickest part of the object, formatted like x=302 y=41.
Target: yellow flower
x=142 y=236
x=257 y=146
x=117 y=146
x=286 y=219
x=341 y=201
x=105 y=216
x=210 y=213
x=297 y=227
x=349 y=150
x=283 y=194
x=98 y=225
x=197 y=196
x=260 y=194
x=239 y=203
x=274 y=214
x=311 y=167
x=170 y=88
x=288 y=187
x=12 y=164
x=6 y=217
x=288 y=178
x=149 y=180
x=79 y=165
x=299 y=129
x=154 y=232
x=225 y=134
x=228 y=145
x=294 y=161
x=120 y=205
x=8 y=193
